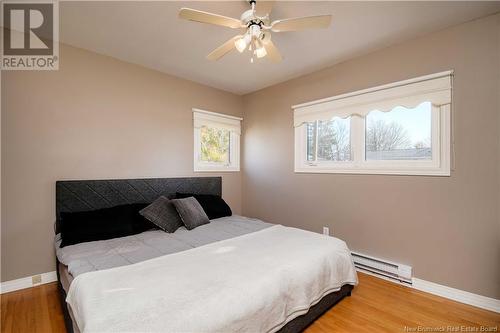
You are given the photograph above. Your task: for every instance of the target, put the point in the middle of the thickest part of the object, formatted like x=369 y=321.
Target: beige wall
x=95 y=118
x=98 y=117
x=447 y=228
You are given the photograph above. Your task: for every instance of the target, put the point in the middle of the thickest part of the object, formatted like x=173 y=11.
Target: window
x=400 y=134
x=216 y=141
x=329 y=140
x=400 y=128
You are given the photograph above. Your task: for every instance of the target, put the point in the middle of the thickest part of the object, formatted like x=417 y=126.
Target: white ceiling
x=151 y=34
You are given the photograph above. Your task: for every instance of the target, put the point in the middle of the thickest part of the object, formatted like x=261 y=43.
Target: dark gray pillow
x=191 y=212
x=162 y=213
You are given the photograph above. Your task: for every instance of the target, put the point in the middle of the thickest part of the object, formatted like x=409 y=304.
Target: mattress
x=111 y=253
x=295 y=326
x=256 y=282
x=64 y=277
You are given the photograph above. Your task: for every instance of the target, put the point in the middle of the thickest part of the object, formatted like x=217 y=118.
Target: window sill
x=401 y=172
x=233 y=169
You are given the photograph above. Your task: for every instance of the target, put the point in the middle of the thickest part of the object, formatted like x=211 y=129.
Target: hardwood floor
x=375 y=306
x=36 y=310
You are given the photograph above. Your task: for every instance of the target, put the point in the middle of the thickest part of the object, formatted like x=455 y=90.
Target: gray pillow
x=162 y=213
x=191 y=212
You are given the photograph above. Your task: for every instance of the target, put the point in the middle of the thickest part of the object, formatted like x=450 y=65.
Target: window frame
x=439 y=165
x=216 y=120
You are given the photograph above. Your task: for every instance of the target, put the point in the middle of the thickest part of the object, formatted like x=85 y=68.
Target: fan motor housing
x=247 y=16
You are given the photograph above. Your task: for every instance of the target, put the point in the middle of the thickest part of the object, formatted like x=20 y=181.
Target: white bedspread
x=252 y=283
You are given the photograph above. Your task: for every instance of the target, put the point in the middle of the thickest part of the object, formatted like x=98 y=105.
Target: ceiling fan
x=256 y=28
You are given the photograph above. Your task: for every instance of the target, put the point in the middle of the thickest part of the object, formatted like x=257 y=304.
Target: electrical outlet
x=36 y=279
x=326 y=231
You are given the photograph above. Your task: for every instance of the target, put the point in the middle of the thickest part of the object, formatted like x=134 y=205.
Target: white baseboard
x=27 y=282
x=453 y=294
x=458 y=295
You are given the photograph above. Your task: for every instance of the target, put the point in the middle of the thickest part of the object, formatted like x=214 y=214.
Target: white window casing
x=221 y=121
x=435 y=88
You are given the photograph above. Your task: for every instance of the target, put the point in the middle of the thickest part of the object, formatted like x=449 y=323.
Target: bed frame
x=84 y=195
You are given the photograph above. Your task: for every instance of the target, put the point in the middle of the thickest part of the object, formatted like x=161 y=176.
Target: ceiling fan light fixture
x=240 y=44
x=261 y=52
x=258 y=25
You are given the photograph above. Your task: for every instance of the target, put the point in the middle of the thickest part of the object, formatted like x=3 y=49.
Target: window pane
x=311 y=141
x=334 y=140
x=331 y=139
x=215 y=144
x=400 y=134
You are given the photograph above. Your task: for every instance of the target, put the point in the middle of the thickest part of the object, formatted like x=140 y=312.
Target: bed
x=246 y=298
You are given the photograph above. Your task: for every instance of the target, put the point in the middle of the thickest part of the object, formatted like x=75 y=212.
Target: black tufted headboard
x=82 y=195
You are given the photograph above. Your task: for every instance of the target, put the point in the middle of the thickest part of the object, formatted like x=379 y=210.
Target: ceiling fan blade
x=263 y=8
x=204 y=17
x=302 y=23
x=223 y=49
x=272 y=51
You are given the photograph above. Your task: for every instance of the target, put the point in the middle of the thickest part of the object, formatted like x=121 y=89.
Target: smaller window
x=216 y=141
